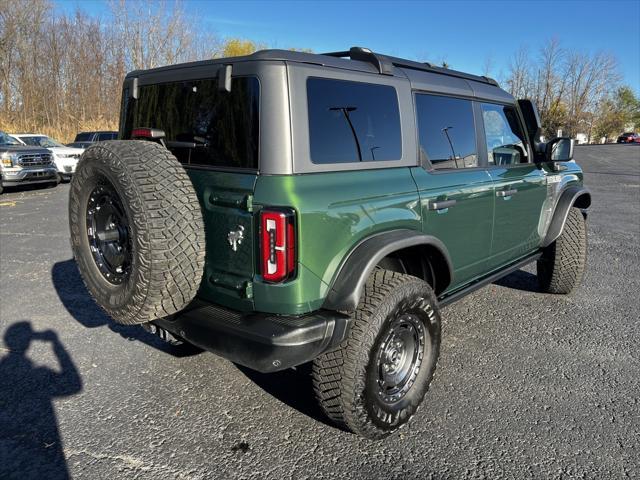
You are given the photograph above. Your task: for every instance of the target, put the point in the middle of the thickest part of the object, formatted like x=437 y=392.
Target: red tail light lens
x=278 y=244
x=144 y=132
x=141 y=133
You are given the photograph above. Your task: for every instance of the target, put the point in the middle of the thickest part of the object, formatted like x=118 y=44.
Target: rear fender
x=348 y=285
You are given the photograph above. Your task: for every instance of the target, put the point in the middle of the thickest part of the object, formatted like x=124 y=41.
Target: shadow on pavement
x=30 y=443
x=520 y=280
x=292 y=387
x=76 y=299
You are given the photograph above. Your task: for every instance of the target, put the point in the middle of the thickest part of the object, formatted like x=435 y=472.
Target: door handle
x=506 y=193
x=440 y=204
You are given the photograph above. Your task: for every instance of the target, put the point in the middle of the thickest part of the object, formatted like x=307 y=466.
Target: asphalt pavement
x=528 y=385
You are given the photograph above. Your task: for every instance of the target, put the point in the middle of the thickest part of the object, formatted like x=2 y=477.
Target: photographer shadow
x=76 y=299
x=30 y=443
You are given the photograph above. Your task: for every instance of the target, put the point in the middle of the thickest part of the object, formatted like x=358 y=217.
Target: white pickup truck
x=65 y=158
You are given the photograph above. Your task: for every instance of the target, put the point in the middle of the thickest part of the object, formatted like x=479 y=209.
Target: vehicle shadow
x=293 y=387
x=520 y=280
x=29 y=187
x=30 y=443
x=76 y=299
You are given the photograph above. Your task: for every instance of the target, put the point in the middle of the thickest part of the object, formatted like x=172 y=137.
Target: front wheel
x=374 y=382
x=561 y=267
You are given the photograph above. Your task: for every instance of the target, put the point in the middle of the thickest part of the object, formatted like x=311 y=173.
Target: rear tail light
x=144 y=132
x=278 y=244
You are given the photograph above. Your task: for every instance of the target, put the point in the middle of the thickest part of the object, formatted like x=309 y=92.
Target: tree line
x=575 y=92
x=61 y=73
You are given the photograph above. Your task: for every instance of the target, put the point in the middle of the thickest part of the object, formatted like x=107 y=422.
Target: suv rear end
x=237 y=156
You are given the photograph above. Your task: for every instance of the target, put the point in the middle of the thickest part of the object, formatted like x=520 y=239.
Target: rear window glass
x=83 y=137
x=352 y=121
x=203 y=125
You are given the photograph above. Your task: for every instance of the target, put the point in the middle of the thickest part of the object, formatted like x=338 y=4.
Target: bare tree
x=589 y=79
x=520 y=81
x=63 y=73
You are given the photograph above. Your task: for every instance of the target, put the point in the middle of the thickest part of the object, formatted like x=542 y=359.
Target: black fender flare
x=348 y=284
x=575 y=195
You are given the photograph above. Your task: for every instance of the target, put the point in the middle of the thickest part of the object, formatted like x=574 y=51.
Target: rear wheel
x=561 y=267
x=374 y=382
x=137 y=232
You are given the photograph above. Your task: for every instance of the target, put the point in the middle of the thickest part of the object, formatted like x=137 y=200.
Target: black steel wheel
x=108 y=232
x=399 y=357
x=374 y=382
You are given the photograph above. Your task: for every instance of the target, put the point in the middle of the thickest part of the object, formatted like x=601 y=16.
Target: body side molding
x=574 y=195
x=347 y=287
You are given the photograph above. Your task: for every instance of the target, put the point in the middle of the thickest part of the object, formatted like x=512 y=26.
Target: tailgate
x=226 y=200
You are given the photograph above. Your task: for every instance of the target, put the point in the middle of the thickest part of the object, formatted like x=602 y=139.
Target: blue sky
x=464 y=33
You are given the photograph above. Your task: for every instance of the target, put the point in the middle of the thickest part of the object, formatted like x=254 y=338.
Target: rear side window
x=203 y=125
x=352 y=122
x=446 y=131
x=83 y=137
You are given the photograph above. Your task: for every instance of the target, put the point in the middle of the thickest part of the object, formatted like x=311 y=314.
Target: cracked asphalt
x=528 y=385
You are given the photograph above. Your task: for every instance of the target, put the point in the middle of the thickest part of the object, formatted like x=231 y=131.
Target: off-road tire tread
x=167 y=221
x=565 y=258
x=335 y=374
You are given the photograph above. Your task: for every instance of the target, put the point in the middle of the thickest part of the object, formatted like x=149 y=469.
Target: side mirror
x=559 y=149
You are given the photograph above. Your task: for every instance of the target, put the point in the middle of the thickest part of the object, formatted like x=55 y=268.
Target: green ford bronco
x=285 y=207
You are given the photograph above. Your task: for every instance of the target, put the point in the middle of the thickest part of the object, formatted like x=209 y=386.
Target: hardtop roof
x=363 y=60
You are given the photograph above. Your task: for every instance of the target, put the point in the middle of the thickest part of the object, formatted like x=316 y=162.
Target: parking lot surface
x=528 y=384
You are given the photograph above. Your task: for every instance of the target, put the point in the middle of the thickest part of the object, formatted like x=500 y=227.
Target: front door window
x=504 y=137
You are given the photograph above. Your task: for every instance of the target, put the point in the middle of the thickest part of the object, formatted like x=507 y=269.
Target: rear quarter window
x=203 y=125
x=352 y=122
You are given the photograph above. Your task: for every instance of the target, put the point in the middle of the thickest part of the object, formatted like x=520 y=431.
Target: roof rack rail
x=385 y=64
x=381 y=62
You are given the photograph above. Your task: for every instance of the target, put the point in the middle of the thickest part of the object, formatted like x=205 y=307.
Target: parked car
x=86 y=139
x=65 y=158
x=285 y=207
x=629 y=137
x=22 y=164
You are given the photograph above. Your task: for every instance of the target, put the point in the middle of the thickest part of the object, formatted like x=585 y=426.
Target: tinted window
x=203 y=125
x=505 y=140
x=352 y=121
x=446 y=131
x=83 y=137
x=106 y=136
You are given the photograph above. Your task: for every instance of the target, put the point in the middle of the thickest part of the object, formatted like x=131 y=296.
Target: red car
x=629 y=137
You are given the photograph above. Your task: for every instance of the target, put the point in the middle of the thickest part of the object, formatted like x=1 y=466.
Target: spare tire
x=137 y=232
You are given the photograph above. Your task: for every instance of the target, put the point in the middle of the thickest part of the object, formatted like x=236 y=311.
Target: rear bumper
x=263 y=342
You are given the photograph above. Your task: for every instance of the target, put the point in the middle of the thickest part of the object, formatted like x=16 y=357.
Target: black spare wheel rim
x=399 y=357
x=108 y=233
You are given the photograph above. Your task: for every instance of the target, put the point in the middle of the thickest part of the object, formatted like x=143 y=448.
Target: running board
x=457 y=295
